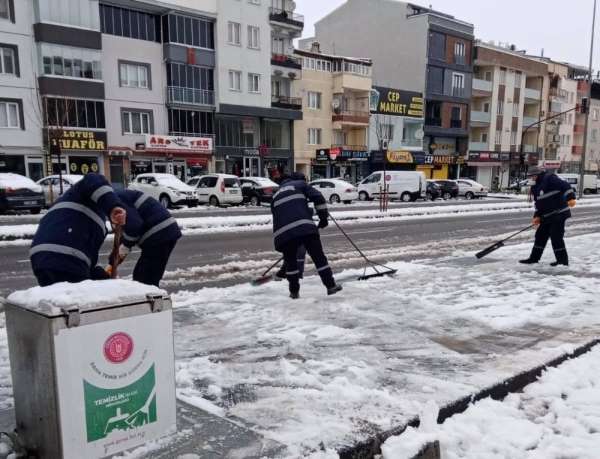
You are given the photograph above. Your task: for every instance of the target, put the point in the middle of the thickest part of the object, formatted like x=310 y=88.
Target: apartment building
x=256 y=67
x=593 y=143
x=331 y=140
x=21 y=116
x=507 y=112
x=429 y=53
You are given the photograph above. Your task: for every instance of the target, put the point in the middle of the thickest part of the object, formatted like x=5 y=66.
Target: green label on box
x=124 y=408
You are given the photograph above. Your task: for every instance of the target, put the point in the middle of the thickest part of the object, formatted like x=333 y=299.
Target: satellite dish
x=335 y=104
x=419 y=134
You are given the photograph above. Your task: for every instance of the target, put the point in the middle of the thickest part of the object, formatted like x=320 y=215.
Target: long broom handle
x=271 y=267
x=118 y=231
x=517 y=233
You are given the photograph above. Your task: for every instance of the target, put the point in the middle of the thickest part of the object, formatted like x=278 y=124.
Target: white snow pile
x=84 y=294
x=556 y=417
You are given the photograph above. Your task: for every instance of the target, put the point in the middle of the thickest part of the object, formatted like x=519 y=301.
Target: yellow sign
x=400 y=157
x=80 y=140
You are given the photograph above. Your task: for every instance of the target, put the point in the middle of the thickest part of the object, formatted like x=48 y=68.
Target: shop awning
x=120 y=151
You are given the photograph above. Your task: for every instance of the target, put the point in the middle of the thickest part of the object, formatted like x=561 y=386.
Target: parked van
x=217 y=189
x=403 y=185
x=590 y=182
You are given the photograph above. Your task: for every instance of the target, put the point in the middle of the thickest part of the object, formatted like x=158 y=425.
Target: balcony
x=579 y=128
x=190 y=96
x=478 y=146
x=532 y=96
x=286 y=17
x=480 y=118
x=529 y=120
x=290 y=103
x=482 y=88
x=283 y=60
x=351 y=117
x=529 y=148
x=350 y=147
x=577 y=150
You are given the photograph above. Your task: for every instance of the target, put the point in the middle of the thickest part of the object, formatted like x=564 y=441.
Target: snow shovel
x=386 y=271
x=114 y=254
x=266 y=277
x=499 y=244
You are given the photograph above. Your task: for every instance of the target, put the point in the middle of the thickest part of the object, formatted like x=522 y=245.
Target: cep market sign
x=396 y=102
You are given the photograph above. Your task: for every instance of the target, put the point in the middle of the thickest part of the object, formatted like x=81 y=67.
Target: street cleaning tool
x=114 y=254
x=500 y=244
x=382 y=271
x=266 y=277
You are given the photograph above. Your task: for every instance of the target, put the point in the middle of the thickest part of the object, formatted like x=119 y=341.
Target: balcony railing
x=191 y=134
x=577 y=150
x=287 y=17
x=482 y=85
x=478 y=146
x=529 y=148
x=529 y=120
x=532 y=94
x=345 y=146
x=480 y=117
x=351 y=116
x=291 y=103
x=190 y=96
x=579 y=129
x=284 y=60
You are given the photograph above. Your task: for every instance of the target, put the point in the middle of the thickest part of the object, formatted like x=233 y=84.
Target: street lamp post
x=587 y=113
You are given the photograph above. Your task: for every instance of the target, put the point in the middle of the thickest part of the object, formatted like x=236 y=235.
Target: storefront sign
x=353 y=155
x=400 y=157
x=322 y=155
x=78 y=140
x=251 y=152
x=551 y=164
x=197 y=162
x=443 y=159
x=489 y=156
x=443 y=146
x=163 y=143
x=396 y=102
x=334 y=153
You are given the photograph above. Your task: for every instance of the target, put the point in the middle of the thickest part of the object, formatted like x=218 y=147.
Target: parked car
x=449 y=188
x=256 y=190
x=404 y=185
x=20 y=193
x=590 y=182
x=51 y=186
x=217 y=189
x=166 y=188
x=470 y=189
x=336 y=190
x=434 y=191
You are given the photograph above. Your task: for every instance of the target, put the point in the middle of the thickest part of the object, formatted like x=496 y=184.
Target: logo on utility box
x=118 y=347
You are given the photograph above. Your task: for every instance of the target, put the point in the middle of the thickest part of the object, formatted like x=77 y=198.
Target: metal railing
x=295 y=102
x=345 y=146
x=286 y=60
x=352 y=116
x=281 y=15
x=190 y=96
x=191 y=134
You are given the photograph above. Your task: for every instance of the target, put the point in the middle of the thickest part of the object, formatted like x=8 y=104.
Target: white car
x=165 y=188
x=336 y=190
x=470 y=189
x=51 y=186
x=217 y=189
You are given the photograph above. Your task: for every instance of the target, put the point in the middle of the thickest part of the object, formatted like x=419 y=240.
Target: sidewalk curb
x=369 y=448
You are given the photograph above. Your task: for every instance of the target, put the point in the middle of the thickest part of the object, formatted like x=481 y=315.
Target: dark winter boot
x=280 y=275
x=333 y=290
x=562 y=257
x=558 y=263
x=294 y=295
x=528 y=261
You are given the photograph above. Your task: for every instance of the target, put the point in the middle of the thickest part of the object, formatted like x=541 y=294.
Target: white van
x=403 y=185
x=590 y=182
x=218 y=189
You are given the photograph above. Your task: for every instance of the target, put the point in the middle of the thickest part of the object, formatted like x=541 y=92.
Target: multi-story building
x=21 y=115
x=593 y=141
x=507 y=113
x=331 y=140
x=256 y=109
x=431 y=53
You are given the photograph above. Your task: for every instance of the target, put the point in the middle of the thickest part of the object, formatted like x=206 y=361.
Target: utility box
x=92 y=367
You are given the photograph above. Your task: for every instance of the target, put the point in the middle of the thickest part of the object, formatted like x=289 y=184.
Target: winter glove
x=572 y=203
x=323 y=223
x=536 y=221
x=123 y=252
x=118 y=216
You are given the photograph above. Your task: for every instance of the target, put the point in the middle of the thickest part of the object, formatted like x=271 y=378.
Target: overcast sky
x=561 y=27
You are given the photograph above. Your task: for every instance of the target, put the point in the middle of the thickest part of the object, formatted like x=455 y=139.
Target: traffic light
x=584 y=106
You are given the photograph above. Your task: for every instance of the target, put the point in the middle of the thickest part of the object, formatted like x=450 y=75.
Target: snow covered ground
x=335 y=370
x=556 y=417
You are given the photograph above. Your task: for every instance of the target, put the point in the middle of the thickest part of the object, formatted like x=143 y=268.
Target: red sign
x=334 y=153
x=118 y=347
x=197 y=162
x=263 y=150
x=179 y=144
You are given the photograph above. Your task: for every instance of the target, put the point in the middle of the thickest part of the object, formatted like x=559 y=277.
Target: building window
x=516 y=110
x=253 y=37
x=190 y=76
x=458 y=84
x=456 y=118
x=459 y=52
x=193 y=123
x=253 y=82
x=502 y=76
x=68 y=12
x=10 y=115
x=189 y=31
x=570 y=119
x=498 y=138
x=314 y=136
x=5 y=9
x=278 y=46
x=78 y=113
x=9 y=64
x=518 y=79
x=134 y=75
x=66 y=61
x=234 y=32
x=235 y=80
x=434 y=114
x=484 y=137
x=486 y=107
x=136 y=122
x=594 y=135
x=276 y=133
x=314 y=100
x=513 y=137
x=437 y=46
x=129 y=23
x=500 y=110
x=387 y=132
x=595 y=112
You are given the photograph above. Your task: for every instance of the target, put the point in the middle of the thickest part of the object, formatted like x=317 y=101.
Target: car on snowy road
x=218 y=189
x=433 y=191
x=51 y=186
x=256 y=190
x=336 y=190
x=449 y=188
x=20 y=193
x=166 y=189
x=470 y=189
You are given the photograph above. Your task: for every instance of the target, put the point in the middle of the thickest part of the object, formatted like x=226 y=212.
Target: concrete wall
x=204 y=6
x=242 y=58
x=23 y=87
x=127 y=49
x=380 y=30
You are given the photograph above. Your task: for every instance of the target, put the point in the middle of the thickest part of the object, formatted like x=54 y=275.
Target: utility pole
x=589 y=101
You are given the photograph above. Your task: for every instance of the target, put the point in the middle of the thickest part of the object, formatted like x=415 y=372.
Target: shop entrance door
x=35 y=168
x=160 y=168
x=251 y=166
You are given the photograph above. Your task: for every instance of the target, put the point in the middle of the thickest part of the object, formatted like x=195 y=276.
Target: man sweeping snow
x=293 y=227
x=554 y=199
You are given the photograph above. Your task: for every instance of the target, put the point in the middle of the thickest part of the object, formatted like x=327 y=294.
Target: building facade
x=507 y=112
x=332 y=138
